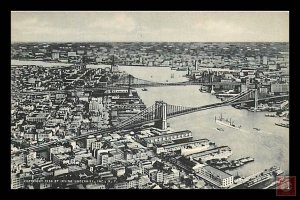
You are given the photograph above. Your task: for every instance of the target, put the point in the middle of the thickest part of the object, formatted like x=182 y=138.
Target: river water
x=269 y=146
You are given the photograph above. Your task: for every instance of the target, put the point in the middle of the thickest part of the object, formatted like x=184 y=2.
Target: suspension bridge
x=159 y=113
x=130 y=80
x=126 y=81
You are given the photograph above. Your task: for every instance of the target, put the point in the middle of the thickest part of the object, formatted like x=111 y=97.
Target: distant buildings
x=146 y=158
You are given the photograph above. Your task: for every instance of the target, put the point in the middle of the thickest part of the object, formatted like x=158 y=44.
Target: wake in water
x=266 y=132
x=255 y=132
x=247 y=131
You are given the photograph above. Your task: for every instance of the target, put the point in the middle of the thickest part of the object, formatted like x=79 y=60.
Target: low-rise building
x=216 y=176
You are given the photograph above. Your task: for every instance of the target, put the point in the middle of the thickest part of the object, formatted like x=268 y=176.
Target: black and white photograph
x=150 y=100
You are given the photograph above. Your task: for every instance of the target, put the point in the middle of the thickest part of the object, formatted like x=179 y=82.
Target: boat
x=286 y=119
x=227 y=123
x=181 y=69
x=267 y=174
x=144 y=89
x=246 y=160
x=282 y=125
x=264 y=176
x=252 y=109
x=270 y=115
x=220 y=129
x=204 y=91
x=278 y=172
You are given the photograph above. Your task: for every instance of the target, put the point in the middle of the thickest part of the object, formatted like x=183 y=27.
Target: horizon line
x=149 y=41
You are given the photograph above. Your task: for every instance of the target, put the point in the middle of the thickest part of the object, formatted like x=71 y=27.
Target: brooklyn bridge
x=160 y=112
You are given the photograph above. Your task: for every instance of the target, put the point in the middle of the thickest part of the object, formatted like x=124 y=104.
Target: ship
x=144 y=89
x=264 y=176
x=227 y=123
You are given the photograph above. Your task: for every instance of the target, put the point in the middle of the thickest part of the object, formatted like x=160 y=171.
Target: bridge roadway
x=262 y=99
x=221 y=83
x=116 y=87
x=132 y=124
x=103 y=131
x=164 y=84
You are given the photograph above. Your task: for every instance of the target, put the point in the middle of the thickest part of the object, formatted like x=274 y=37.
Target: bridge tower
x=112 y=63
x=161 y=114
x=255 y=99
x=212 y=86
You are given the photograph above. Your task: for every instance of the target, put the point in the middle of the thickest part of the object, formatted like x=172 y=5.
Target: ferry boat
x=264 y=176
x=227 y=123
x=267 y=174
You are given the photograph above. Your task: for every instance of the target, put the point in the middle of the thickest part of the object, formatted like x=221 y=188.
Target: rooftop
x=216 y=172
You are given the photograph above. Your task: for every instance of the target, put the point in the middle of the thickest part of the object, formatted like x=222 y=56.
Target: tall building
x=17 y=181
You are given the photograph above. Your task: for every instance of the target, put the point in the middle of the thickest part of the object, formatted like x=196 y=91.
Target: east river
x=269 y=146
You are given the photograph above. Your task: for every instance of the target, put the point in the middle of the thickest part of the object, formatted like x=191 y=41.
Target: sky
x=149 y=26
